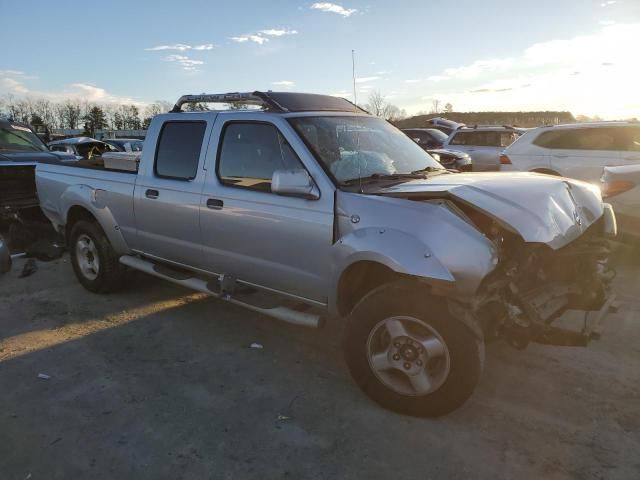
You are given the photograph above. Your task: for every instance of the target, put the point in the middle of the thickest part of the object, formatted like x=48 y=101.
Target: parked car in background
x=21 y=219
x=621 y=188
x=452 y=159
x=578 y=150
x=444 y=125
x=313 y=208
x=125 y=144
x=427 y=138
x=484 y=144
x=84 y=147
x=431 y=140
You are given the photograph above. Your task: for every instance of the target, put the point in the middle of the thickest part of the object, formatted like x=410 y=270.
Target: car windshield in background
x=361 y=147
x=16 y=138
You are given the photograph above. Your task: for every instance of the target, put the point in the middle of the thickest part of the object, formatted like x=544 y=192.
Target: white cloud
x=587 y=74
x=11 y=85
x=277 y=32
x=181 y=47
x=75 y=91
x=333 y=8
x=478 y=68
x=367 y=79
x=383 y=72
x=607 y=23
x=412 y=80
x=16 y=73
x=185 y=62
x=284 y=83
x=607 y=3
x=261 y=37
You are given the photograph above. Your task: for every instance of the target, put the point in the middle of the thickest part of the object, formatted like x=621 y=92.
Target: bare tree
x=435 y=106
x=448 y=108
x=376 y=104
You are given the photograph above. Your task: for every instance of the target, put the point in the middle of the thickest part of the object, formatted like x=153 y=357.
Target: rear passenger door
x=582 y=153
x=167 y=192
x=274 y=241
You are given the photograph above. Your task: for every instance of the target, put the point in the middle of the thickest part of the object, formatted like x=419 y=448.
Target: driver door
x=274 y=241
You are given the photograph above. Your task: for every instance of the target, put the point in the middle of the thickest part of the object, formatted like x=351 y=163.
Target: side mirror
x=296 y=183
x=5 y=257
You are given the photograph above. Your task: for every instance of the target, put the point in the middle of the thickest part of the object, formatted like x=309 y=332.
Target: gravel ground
x=156 y=382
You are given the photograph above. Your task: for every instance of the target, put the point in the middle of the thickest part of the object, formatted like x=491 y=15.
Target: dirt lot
x=156 y=382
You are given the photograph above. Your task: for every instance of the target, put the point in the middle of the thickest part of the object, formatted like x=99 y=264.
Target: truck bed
x=62 y=184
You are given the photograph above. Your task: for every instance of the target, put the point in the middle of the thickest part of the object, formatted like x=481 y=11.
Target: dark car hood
x=446 y=151
x=30 y=158
x=541 y=208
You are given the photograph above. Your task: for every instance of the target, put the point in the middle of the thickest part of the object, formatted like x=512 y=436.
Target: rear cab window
x=178 y=152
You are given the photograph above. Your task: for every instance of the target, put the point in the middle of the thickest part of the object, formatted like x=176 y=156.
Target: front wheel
x=94 y=261
x=406 y=351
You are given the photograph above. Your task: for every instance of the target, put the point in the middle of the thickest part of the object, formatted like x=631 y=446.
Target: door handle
x=560 y=155
x=214 y=204
x=632 y=159
x=150 y=193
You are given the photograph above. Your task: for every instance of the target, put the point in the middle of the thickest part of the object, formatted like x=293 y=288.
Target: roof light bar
x=245 y=98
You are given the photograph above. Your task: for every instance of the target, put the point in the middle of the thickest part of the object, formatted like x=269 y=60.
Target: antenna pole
x=353 y=73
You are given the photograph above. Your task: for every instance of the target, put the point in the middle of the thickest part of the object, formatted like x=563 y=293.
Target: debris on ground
x=257 y=346
x=282 y=418
x=45 y=250
x=44 y=376
x=29 y=268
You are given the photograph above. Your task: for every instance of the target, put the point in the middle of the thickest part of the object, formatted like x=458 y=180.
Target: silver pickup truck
x=304 y=207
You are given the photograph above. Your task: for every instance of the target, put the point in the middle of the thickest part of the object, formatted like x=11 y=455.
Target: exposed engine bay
x=533 y=285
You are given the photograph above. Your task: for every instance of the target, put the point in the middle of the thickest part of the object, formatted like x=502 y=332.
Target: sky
x=576 y=55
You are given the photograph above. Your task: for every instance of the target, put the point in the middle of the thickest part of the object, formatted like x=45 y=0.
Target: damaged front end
x=534 y=285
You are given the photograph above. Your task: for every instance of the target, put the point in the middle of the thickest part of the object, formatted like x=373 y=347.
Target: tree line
x=42 y=113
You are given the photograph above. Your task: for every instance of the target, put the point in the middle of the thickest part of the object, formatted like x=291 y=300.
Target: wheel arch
x=360 y=278
x=83 y=202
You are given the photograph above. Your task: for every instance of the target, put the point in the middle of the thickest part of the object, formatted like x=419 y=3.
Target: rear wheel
x=94 y=261
x=406 y=352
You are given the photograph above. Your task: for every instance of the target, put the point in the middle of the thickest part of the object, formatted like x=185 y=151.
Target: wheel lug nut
x=396 y=357
x=407 y=365
x=396 y=344
x=419 y=363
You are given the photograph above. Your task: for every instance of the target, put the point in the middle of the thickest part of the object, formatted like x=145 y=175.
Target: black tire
x=109 y=276
x=465 y=349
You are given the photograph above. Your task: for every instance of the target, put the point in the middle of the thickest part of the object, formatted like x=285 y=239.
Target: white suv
x=578 y=150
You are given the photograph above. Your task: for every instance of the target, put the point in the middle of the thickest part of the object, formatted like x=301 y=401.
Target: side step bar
x=194 y=283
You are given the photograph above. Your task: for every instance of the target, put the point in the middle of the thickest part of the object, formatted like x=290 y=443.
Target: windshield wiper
x=429 y=169
x=384 y=176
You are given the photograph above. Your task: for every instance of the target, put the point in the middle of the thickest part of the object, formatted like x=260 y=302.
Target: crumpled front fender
x=397 y=250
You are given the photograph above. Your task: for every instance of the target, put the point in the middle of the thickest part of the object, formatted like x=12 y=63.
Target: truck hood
x=540 y=208
x=30 y=158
